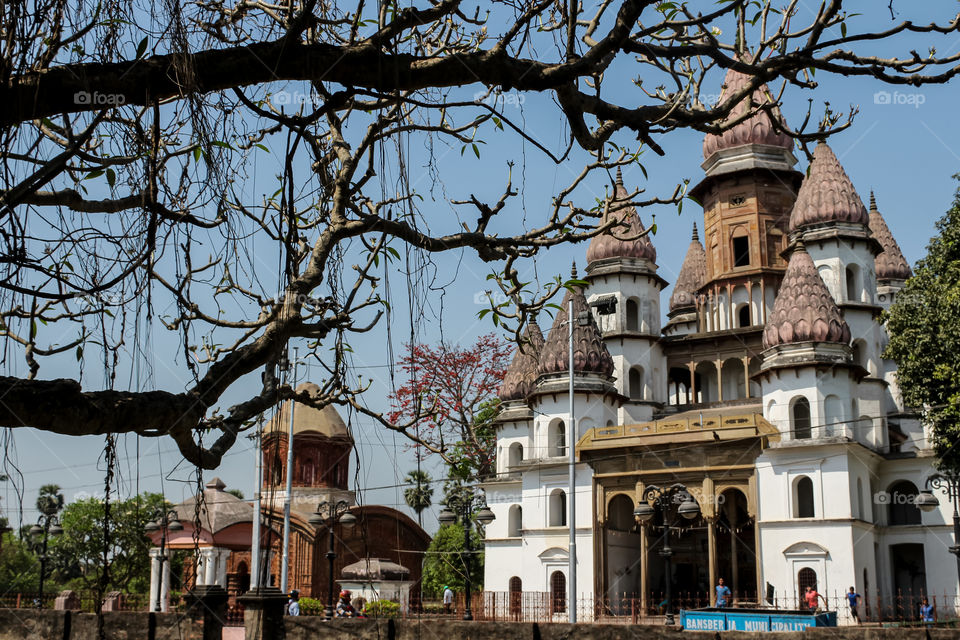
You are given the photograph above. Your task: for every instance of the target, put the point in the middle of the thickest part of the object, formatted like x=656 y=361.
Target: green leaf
x=476 y=150
x=196 y=153
x=111 y=177
x=141 y=48
x=79 y=352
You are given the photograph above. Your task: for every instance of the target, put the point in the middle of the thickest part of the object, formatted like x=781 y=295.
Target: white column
x=154 y=577
x=164 y=585
x=210 y=566
x=222 y=566
x=201 y=577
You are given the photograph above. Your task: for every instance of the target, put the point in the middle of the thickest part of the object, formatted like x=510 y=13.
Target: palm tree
x=50 y=499
x=420 y=496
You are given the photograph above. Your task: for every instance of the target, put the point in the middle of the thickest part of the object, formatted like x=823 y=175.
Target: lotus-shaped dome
x=827 y=195
x=622 y=240
x=757 y=129
x=692 y=275
x=890 y=263
x=804 y=310
x=520 y=377
x=590 y=355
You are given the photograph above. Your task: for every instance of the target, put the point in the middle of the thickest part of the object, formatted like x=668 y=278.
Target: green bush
x=311 y=607
x=381 y=609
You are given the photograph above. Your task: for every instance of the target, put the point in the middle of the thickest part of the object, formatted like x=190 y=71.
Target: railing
x=901 y=609
x=88 y=601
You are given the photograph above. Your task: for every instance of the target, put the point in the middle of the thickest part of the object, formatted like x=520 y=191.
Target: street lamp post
x=327 y=515
x=688 y=509
x=47 y=525
x=464 y=507
x=163 y=521
x=949 y=483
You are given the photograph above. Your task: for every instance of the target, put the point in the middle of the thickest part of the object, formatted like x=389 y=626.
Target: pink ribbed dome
x=890 y=263
x=520 y=376
x=693 y=273
x=804 y=310
x=622 y=241
x=590 y=355
x=827 y=195
x=757 y=129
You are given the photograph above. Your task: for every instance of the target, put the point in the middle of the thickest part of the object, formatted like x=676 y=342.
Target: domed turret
x=693 y=273
x=522 y=373
x=757 y=129
x=622 y=240
x=590 y=355
x=827 y=195
x=804 y=311
x=890 y=263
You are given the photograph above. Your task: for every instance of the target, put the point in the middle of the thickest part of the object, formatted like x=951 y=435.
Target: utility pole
x=258 y=483
x=285 y=565
x=572 y=487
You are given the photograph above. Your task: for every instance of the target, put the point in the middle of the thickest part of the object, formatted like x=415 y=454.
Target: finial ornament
x=619 y=177
x=696 y=236
x=873 y=201
x=573 y=270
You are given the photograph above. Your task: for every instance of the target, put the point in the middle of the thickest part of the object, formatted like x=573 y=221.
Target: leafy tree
x=444 y=562
x=19 y=567
x=447 y=397
x=78 y=553
x=236 y=492
x=131 y=138
x=419 y=496
x=924 y=328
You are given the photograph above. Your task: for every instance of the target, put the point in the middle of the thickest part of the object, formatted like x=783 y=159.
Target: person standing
x=811 y=597
x=853 y=599
x=723 y=594
x=293 y=604
x=928 y=613
x=447 y=599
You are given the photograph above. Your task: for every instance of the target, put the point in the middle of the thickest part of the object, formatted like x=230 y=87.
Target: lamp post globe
x=926 y=501
x=689 y=509
x=644 y=512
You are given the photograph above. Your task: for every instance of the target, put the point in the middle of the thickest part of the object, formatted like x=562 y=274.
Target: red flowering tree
x=448 y=398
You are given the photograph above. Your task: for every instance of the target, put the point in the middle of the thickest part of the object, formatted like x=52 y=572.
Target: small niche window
x=738 y=201
x=741 y=251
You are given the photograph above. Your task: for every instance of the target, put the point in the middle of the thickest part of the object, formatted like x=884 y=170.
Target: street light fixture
x=327 y=515
x=163 y=521
x=463 y=507
x=688 y=509
x=48 y=525
x=949 y=483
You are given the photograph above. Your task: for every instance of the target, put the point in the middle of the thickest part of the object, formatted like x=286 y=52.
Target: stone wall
x=31 y=624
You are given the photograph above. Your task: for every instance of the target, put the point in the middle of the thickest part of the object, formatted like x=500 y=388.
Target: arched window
x=859 y=355
x=743 y=316
x=806 y=577
x=800 y=414
x=636 y=383
x=633 y=315
x=902 y=504
x=620 y=514
x=833 y=410
x=243 y=578
x=853 y=283
x=514 y=521
x=741 y=251
x=516 y=595
x=557 y=439
x=558 y=592
x=860 y=512
x=558 y=508
x=515 y=454
x=803 y=498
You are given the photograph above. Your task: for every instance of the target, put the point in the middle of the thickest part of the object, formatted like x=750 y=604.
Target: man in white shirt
x=293 y=604
x=447 y=599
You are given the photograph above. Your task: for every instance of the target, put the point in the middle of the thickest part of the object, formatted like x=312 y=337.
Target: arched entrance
x=690 y=571
x=736 y=545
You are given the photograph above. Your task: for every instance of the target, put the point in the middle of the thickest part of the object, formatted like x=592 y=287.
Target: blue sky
x=903 y=144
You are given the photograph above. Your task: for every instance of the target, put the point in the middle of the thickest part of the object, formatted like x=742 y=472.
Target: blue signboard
x=754 y=620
